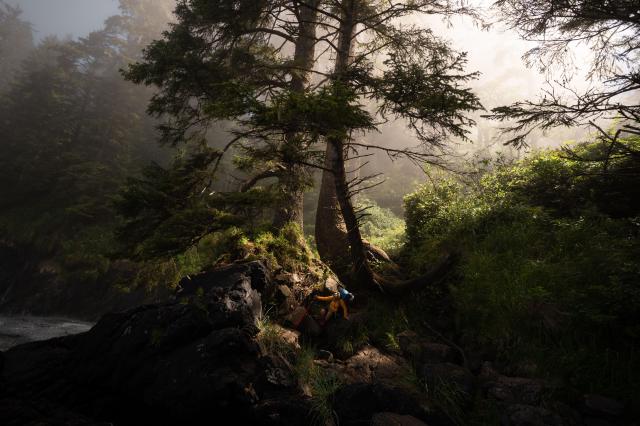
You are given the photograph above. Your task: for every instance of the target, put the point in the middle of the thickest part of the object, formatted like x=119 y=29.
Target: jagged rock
x=174 y=363
x=256 y=272
x=285 y=301
x=436 y=352
x=448 y=374
x=277 y=372
x=288 y=278
x=356 y=404
x=392 y=419
x=301 y=320
x=370 y=365
x=290 y=337
x=602 y=406
x=421 y=350
x=505 y=389
x=296 y=316
x=526 y=415
x=331 y=284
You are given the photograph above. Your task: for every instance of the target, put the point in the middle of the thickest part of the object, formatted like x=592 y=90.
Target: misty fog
x=495 y=52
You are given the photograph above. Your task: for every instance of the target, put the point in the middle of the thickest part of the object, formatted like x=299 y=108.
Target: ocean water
x=15 y=330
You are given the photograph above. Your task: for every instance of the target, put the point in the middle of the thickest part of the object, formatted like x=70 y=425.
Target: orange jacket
x=336 y=303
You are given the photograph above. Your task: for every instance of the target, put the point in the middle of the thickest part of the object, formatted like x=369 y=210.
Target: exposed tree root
x=435 y=275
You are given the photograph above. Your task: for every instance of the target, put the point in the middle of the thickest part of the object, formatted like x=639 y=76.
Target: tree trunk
x=337 y=230
x=331 y=232
x=291 y=208
x=361 y=269
x=293 y=179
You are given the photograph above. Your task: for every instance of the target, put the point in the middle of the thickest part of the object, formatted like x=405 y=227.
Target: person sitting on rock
x=336 y=301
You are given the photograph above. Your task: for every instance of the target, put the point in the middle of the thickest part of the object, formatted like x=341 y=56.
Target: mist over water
x=16 y=330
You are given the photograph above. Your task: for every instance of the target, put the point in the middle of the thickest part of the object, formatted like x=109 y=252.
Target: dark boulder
x=393 y=419
x=371 y=365
x=512 y=390
x=256 y=272
x=421 y=350
x=183 y=362
x=356 y=404
x=526 y=415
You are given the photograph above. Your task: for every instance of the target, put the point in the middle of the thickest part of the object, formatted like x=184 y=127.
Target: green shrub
x=429 y=208
x=380 y=226
x=547 y=274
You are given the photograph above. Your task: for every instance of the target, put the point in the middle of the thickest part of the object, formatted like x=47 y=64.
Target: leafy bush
x=549 y=271
x=380 y=226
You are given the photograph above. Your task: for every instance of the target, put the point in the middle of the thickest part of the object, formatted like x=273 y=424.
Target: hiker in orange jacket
x=336 y=301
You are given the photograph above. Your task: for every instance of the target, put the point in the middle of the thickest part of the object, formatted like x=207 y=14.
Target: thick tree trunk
x=331 y=232
x=292 y=180
x=291 y=208
x=361 y=268
x=337 y=230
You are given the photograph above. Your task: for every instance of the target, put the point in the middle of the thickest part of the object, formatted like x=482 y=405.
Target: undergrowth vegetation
x=318 y=383
x=286 y=249
x=321 y=384
x=549 y=273
x=381 y=227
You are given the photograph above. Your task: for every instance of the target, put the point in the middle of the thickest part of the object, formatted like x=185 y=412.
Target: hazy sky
x=488 y=51
x=496 y=53
x=66 y=17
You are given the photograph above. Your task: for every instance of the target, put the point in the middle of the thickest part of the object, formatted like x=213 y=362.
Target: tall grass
x=322 y=385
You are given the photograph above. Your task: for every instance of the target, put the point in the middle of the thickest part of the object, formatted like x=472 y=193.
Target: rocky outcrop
x=368 y=365
x=200 y=358
x=186 y=361
x=511 y=390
